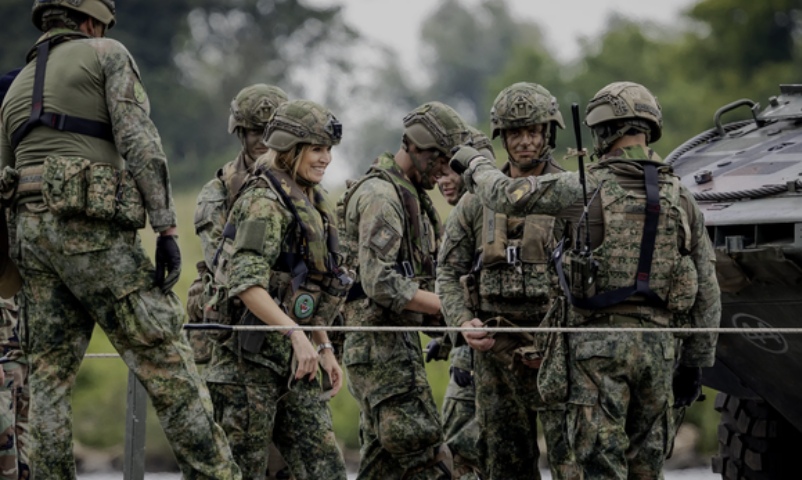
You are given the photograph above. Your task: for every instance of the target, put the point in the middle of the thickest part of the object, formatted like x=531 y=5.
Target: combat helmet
x=302 y=121
x=101 y=10
x=434 y=126
x=480 y=142
x=525 y=104
x=253 y=106
x=620 y=107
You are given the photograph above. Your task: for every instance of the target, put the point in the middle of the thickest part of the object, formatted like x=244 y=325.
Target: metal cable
x=763 y=191
x=703 y=137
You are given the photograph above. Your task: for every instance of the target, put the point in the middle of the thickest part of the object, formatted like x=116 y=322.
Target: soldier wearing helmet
x=648 y=263
x=250 y=111
x=390 y=233
x=281 y=267
x=526 y=116
x=497 y=260
x=83 y=167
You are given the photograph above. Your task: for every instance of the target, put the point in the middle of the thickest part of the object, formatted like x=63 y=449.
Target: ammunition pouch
x=510 y=348
x=471 y=290
x=515 y=268
x=72 y=186
x=683 y=286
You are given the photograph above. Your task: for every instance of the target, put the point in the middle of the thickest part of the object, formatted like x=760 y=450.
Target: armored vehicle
x=747 y=178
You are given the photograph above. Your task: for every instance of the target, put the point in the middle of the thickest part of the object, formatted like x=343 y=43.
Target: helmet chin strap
x=543 y=156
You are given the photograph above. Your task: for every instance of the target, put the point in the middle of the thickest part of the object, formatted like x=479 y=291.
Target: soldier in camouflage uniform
x=651 y=265
x=250 y=111
x=15 y=399
x=280 y=242
x=460 y=427
x=82 y=163
x=390 y=233
x=15 y=393
x=501 y=261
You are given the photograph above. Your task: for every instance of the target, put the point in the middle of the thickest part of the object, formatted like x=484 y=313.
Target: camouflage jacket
x=375 y=230
x=556 y=194
x=252 y=261
x=214 y=201
x=462 y=239
x=97 y=79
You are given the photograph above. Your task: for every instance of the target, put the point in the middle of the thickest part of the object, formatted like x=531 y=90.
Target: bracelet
x=324 y=346
x=291 y=330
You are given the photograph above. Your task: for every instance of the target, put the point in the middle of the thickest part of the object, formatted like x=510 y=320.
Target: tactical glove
x=433 y=348
x=461 y=157
x=687 y=385
x=462 y=377
x=168 y=258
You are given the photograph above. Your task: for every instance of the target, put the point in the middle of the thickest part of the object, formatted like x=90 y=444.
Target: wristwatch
x=324 y=346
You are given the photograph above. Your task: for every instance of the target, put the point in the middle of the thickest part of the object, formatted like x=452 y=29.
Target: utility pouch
x=509 y=348
x=101 y=191
x=9 y=182
x=327 y=308
x=64 y=185
x=251 y=341
x=683 y=286
x=130 y=209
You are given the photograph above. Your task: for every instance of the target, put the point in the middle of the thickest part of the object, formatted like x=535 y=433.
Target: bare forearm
x=261 y=304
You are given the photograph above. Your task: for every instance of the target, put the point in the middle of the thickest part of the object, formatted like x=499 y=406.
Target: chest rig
x=416 y=258
x=512 y=265
x=306 y=279
x=640 y=269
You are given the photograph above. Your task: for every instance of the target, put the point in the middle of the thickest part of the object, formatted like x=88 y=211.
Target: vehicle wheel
x=755 y=441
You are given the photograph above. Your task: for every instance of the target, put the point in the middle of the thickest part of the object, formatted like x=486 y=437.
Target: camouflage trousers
x=399 y=426
x=460 y=427
x=15 y=398
x=297 y=420
x=78 y=272
x=618 y=411
x=507 y=404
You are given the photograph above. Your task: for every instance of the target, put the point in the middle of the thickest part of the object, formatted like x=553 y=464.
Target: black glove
x=461 y=157
x=168 y=257
x=687 y=385
x=462 y=377
x=433 y=348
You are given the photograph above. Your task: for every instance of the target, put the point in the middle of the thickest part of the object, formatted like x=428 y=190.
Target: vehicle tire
x=755 y=441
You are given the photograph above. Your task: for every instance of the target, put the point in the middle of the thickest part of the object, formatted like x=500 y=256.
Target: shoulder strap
x=641 y=286
x=58 y=121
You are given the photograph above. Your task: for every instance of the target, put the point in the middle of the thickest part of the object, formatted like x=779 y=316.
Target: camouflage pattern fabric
x=399 y=424
x=114 y=94
x=614 y=434
x=255 y=407
x=15 y=402
x=64 y=297
x=462 y=431
x=253 y=402
x=501 y=393
x=302 y=121
x=264 y=225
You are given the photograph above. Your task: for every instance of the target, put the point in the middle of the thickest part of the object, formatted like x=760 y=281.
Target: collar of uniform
x=633 y=152
x=387 y=162
x=56 y=35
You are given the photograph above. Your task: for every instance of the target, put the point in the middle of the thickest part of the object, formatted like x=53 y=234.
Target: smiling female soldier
x=278 y=265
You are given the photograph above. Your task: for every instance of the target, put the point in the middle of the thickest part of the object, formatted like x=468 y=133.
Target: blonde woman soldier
x=278 y=265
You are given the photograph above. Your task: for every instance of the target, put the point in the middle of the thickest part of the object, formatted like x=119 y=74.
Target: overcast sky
x=397 y=23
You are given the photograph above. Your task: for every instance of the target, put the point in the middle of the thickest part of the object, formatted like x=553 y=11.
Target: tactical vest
x=514 y=277
x=306 y=280
x=640 y=270
x=421 y=225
